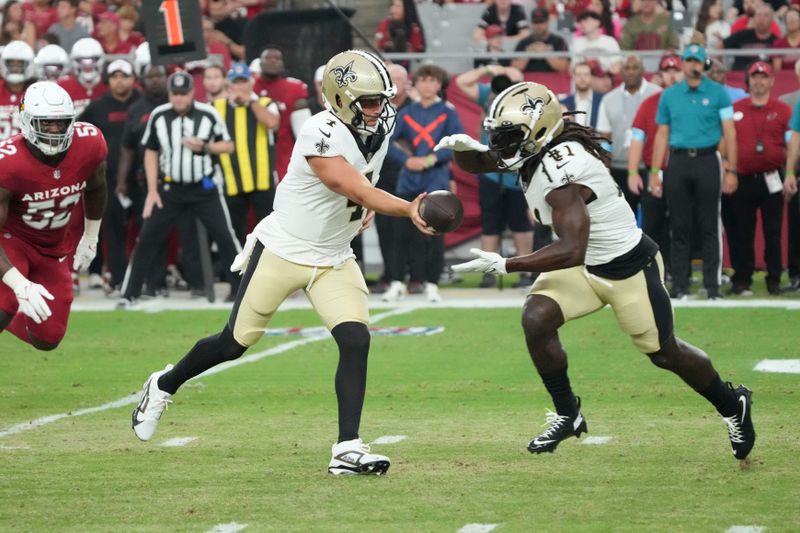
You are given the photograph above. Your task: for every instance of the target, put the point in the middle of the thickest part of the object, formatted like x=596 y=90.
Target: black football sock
x=207 y=353
x=721 y=397
x=351 y=376
x=557 y=384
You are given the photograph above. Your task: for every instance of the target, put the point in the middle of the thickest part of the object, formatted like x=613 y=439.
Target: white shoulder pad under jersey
x=612 y=230
x=311 y=224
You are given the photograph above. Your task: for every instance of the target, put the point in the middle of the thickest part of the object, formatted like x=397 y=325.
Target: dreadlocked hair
x=574 y=132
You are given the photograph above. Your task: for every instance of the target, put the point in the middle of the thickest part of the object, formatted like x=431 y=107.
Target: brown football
x=442 y=210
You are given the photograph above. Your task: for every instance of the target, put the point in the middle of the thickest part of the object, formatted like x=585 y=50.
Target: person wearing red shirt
x=761 y=124
x=291 y=95
x=41 y=14
x=46 y=172
x=643 y=133
x=107 y=33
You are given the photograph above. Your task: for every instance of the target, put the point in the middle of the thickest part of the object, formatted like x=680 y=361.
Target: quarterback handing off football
x=442 y=210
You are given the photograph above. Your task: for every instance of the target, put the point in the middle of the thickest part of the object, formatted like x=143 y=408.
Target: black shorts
x=502 y=207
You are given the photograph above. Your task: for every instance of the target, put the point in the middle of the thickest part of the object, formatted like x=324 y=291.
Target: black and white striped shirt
x=166 y=129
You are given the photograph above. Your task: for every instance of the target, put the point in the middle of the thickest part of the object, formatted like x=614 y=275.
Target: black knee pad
x=352 y=337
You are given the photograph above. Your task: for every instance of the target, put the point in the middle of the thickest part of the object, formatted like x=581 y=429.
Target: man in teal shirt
x=692 y=117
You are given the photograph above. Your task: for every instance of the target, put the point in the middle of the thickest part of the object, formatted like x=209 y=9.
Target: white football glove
x=84 y=253
x=488 y=262
x=460 y=142
x=30 y=296
x=242 y=258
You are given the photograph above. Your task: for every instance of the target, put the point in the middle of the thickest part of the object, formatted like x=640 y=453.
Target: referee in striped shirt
x=179 y=140
x=249 y=173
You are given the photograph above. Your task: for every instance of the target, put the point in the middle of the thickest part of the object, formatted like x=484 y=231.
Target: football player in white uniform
x=326 y=198
x=600 y=258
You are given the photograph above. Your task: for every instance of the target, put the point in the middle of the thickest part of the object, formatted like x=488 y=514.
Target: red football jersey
x=9 y=103
x=81 y=96
x=286 y=92
x=43 y=196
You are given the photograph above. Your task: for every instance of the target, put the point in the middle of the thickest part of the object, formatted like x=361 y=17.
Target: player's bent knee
x=352 y=337
x=666 y=357
x=42 y=345
x=5 y=320
x=228 y=347
x=541 y=316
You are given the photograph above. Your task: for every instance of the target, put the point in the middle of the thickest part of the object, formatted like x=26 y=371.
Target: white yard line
x=233 y=527
x=781 y=366
x=178 y=441
x=746 y=529
x=389 y=439
x=477 y=528
x=596 y=440
x=131 y=399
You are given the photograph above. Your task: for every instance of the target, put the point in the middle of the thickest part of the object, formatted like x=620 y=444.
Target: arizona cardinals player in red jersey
x=17 y=72
x=291 y=95
x=44 y=173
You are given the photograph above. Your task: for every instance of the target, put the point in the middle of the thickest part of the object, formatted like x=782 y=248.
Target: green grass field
x=468 y=401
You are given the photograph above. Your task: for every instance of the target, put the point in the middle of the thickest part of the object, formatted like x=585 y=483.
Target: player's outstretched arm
x=570 y=223
x=94 y=198
x=342 y=178
x=469 y=154
x=31 y=296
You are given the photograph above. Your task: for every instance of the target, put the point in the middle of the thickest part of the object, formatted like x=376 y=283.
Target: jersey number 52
x=45 y=214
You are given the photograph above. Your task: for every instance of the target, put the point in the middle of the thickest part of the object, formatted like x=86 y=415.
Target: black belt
x=693 y=152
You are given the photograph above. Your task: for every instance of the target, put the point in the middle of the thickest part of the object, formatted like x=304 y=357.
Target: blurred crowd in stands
x=74 y=42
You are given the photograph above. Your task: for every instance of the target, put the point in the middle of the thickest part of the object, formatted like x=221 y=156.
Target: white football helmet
x=46 y=103
x=16 y=62
x=52 y=62
x=88 y=60
x=141 y=58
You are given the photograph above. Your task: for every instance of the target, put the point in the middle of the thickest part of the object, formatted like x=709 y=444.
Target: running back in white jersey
x=612 y=230
x=311 y=224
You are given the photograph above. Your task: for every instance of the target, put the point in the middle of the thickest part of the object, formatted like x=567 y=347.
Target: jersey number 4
x=45 y=214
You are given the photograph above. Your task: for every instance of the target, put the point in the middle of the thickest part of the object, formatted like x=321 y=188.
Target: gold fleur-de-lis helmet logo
x=533 y=107
x=345 y=74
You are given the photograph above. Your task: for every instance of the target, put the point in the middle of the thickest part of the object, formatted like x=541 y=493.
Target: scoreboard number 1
x=174 y=30
x=172 y=20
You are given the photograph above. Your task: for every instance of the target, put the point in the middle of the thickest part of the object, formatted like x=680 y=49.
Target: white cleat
x=353 y=458
x=146 y=415
x=432 y=293
x=395 y=292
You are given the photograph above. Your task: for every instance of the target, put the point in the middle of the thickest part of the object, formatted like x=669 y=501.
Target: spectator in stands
x=602 y=80
x=107 y=32
x=109 y=113
x=761 y=123
x=790 y=40
x=643 y=134
x=215 y=83
x=719 y=74
x=390 y=171
x=401 y=31
x=711 y=28
x=793 y=199
x=746 y=20
x=501 y=198
x=128 y=18
x=584 y=100
x=615 y=117
x=249 y=172
x=292 y=97
x=67 y=29
x=15 y=26
x=541 y=40
x=419 y=127
x=609 y=22
x=649 y=29
x=216 y=43
x=758 y=37
x=227 y=29
x=41 y=14
x=511 y=17
x=592 y=41
x=494 y=44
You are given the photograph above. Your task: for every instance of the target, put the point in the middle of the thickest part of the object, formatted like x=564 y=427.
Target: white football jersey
x=311 y=224
x=612 y=229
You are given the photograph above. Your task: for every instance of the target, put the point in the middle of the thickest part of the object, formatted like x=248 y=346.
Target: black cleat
x=561 y=428
x=740 y=425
